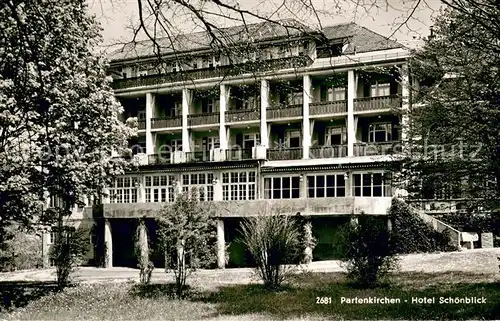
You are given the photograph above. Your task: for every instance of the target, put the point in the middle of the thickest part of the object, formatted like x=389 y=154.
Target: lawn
x=297 y=300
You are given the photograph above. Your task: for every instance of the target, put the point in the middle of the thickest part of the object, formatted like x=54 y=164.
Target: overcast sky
x=116 y=15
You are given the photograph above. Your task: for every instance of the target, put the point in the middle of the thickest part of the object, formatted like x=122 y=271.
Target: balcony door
x=380 y=132
x=209 y=143
x=336 y=136
x=176 y=109
x=209 y=105
x=292 y=138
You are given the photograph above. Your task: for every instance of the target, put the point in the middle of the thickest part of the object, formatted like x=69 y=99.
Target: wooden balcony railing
x=198 y=156
x=221 y=71
x=238 y=154
x=141 y=124
x=381 y=148
x=233 y=116
x=159 y=159
x=328 y=151
x=376 y=103
x=328 y=108
x=284 y=112
x=203 y=119
x=284 y=153
x=166 y=122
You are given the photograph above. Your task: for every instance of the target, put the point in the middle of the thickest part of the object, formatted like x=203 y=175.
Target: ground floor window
x=159 y=188
x=201 y=182
x=326 y=186
x=282 y=187
x=371 y=185
x=124 y=190
x=238 y=186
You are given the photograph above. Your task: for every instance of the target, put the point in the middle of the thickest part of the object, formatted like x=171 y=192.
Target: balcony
x=159 y=159
x=198 y=156
x=233 y=116
x=284 y=153
x=284 y=112
x=382 y=148
x=203 y=119
x=238 y=154
x=221 y=71
x=141 y=124
x=328 y=151
x=376 y=103
x=166 y=122
x=328 y=108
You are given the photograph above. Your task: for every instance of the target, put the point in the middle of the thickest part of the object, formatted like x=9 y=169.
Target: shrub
x=274 y=242
x=19 y=250
x=366 y=250
x=410 y=234
x=68 y=251
x=187 y=235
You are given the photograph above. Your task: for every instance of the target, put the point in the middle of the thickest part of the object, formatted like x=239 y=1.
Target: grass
x=296 y=300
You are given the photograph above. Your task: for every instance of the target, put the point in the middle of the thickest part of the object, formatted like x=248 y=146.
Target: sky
x=385 y=17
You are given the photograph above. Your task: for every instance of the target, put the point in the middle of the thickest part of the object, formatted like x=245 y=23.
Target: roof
x=360 y=38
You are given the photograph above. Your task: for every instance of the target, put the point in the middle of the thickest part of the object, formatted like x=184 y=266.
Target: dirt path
x=479 y=261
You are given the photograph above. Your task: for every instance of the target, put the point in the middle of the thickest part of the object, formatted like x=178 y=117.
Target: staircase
x=455 y=235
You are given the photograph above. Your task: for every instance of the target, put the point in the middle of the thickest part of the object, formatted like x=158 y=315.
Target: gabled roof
x=359 y=38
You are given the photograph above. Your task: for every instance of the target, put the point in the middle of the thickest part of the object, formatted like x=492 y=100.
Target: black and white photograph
x=226 y=160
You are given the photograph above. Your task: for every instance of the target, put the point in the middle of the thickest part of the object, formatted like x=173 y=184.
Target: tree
x=454 y=132
x=142 y=252
x=274 y=240
x=367 y=250
x=187 y=235
x=58 y=116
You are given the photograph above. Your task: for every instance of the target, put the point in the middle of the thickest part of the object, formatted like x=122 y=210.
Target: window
x=141 y=115
x=250 y=140
x=159 y=188
x=210 y=143
x=282 y=187
x=326 y=186
x=209 y=105
x=292 y=138
x=380 y=89
x=336 y=136
x=176 y=109
x=336 y=93
x=52 y=235
x=202 y=182
x=238 y=186
x=371 y=185
x=124 y=190
x=295 y=98
x=380 y=132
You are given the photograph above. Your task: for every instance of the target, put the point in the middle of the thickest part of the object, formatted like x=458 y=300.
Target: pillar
x=405 y=105
x=141 y=192
x=187 y=96
x=217 y=186
x=221 y=245
x=309 y=241
x=224 y=99
x=150 y=105
x=108 y=241
x=351 y=133
x=143 y=244
x=306 y=129
x=264 y=104
x=45 y=249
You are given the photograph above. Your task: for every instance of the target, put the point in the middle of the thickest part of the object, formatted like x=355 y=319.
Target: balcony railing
x=238 y=154
x=159 y=159
x=166 y=122
x=233 y=116
x=381 y=148
x=284 y=153
x=221 y=71
x=328 y=108
x=203 y=119
x=141 y=124
x=284 y=112
x=333 y=151
x=197 y=156
x=376 y=103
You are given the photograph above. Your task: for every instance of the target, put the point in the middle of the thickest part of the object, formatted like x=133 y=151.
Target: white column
x=224 y=99
x=405 y=107
x=306 y=129
x=108 y=241
x=187 y=96
x=264 y=104
x=150 y=105
x=141 y=197
x=45 y=249
x=351 y=92
x=218 y=186
x=221 y=245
